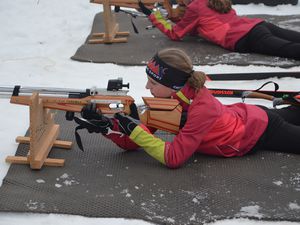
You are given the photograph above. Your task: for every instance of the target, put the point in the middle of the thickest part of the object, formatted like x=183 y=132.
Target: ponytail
x=197 y=80
x=221 y=6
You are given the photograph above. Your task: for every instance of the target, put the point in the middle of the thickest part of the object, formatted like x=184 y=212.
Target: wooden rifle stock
x=103 y=103
x=160 y=113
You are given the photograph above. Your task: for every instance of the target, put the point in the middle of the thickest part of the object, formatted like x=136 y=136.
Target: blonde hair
x=221 y=6
x=179 y=11
x=178 y=59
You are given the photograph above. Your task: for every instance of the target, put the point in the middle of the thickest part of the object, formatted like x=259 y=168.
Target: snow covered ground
x=37 y=39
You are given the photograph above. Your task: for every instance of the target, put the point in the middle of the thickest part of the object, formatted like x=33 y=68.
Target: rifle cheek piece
x=163 y=114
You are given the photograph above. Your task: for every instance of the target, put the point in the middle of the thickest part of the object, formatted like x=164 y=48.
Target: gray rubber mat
x=104 y=181
x=142 y=46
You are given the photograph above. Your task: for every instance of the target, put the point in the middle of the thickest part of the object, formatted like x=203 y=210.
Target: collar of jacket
x=185 y=96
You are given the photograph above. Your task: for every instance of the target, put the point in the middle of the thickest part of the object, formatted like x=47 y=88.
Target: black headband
x=165 y=74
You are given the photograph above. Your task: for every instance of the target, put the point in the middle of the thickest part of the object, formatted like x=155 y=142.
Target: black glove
x=94 y=126
x=93 y=120
x=144 y=9
x=126 y=123
x=91 y=126
x=90 y=111
x=134 y=112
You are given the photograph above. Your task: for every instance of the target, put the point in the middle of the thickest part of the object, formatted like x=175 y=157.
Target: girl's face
x=158 y=90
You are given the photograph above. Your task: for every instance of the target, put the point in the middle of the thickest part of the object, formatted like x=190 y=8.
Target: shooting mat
x=104 y=181
x=142 y=46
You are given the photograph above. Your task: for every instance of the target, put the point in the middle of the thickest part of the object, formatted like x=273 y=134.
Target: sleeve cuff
x=152 y=145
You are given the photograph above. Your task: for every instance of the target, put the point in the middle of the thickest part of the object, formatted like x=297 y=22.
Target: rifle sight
x=116 y=84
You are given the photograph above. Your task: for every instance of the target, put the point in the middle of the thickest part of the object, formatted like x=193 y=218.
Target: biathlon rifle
x=114 y=99
x=160 y=113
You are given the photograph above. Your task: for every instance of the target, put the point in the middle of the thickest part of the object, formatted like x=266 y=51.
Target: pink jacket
x=222 y=29
x=216 y=129
x=211 y=128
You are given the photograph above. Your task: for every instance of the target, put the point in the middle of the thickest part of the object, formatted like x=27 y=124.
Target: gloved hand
x=126 y=123
x=90 y=111
x=144 y=9
x=93 y=120
x=134 y=112
x=94 y=126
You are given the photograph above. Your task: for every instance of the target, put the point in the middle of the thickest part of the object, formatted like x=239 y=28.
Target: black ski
x=251 y=76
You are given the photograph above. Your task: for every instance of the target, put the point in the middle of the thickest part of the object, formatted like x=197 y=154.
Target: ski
x=276 y=96
x=239 y=93
x=251 y=76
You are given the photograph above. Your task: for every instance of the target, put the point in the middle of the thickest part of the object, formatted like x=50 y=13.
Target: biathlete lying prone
x=210 y=128
x=217 y=22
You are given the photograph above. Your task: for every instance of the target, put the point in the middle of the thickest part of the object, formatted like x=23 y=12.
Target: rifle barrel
x=6 y=92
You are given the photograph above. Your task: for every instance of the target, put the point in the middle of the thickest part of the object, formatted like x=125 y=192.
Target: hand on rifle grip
x=93 y=120
x=93 y=126
x=134 y=112
x=90 y=111
x=126 y=123
x=144 y=9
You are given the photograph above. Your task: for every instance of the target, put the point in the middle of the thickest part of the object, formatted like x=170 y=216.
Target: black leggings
x=267 y=38
x=283 y=131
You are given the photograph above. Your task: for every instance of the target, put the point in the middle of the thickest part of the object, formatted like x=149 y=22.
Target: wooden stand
x=111 y=28
x=43 y=134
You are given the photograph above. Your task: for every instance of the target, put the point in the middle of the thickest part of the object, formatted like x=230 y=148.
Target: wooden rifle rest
x=43 y=134
x=111 y=27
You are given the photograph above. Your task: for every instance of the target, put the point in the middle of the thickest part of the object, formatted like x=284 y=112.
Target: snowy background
x=37 y=39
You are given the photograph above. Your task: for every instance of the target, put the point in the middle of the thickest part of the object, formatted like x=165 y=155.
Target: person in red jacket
x=210 y=127
x=217 y=22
